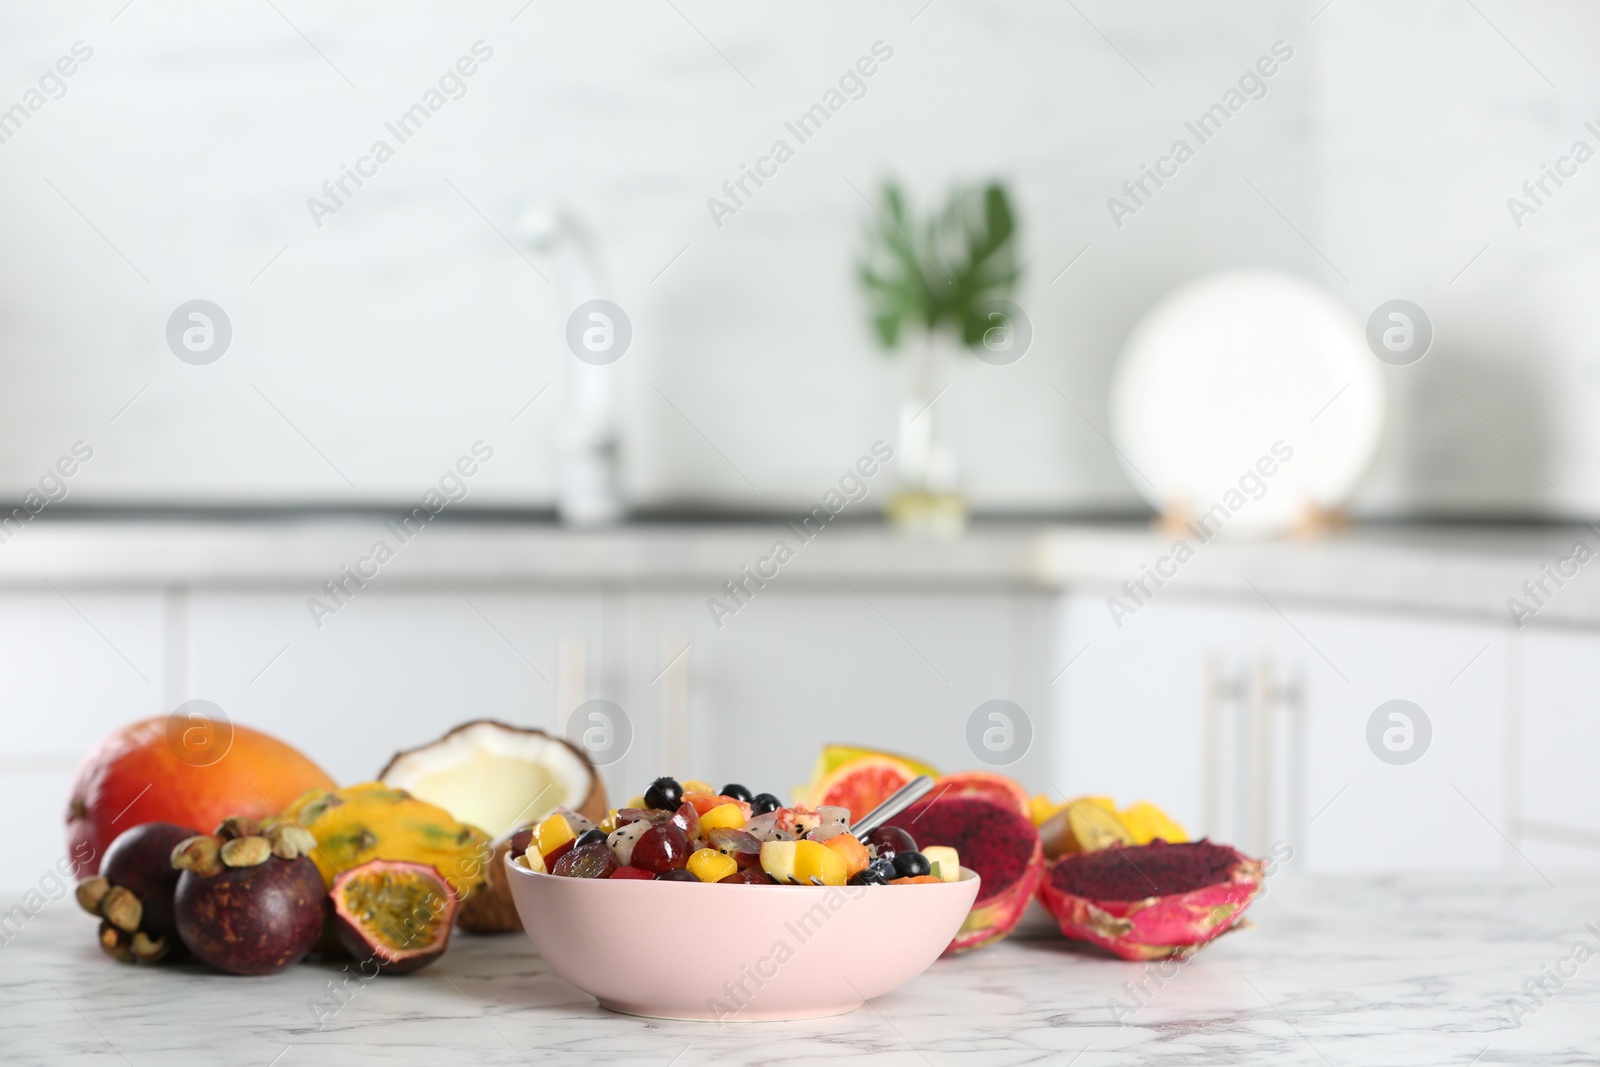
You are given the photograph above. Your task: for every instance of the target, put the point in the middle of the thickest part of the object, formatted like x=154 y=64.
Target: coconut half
x=498 y=777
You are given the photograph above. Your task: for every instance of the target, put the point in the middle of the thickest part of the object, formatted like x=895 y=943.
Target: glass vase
x=927 y=499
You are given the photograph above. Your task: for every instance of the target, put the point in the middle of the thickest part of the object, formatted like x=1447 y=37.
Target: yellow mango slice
x=709 y=865
x=1146 y=822
x=815 y=862
x=726 y=816
x=553 y=833
x=1041 y=807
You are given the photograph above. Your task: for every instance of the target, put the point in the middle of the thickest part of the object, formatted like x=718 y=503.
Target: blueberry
x=590 y=837
x=677 y=874
x=883 y=867
x=736 y=791
x=665 y=794
x=911 y=865
x=869 y=876
x=762 y=803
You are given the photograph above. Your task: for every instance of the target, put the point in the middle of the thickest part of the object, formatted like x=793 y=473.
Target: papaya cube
x=849 y=849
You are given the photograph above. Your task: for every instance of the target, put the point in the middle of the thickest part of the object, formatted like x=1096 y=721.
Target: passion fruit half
x=396 y=914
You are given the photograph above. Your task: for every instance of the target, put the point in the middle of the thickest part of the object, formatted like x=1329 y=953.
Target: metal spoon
x=898 y=801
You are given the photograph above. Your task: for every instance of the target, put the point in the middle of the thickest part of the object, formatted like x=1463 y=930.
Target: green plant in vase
x=937 y=285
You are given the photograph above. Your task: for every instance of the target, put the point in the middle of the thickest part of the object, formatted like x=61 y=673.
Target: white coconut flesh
x=494 y=777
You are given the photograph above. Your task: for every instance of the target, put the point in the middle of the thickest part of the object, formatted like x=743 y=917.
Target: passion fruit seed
x=246 y=852
x=90 y=893
x=200 y=854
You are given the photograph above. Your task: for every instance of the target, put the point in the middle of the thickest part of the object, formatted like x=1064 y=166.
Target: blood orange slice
x=1007 y=792
x=835 y=756
x=862 y=784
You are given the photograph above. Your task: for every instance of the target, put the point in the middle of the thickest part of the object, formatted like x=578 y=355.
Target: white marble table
x=1393 y=971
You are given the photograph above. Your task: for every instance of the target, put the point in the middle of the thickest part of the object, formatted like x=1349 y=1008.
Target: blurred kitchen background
x=374 y=340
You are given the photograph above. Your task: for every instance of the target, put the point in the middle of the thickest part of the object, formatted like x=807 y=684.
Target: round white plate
x=1245 y=400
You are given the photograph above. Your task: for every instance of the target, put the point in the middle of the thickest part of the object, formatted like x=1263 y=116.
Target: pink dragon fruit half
x=999 y=844
x=1151 y=901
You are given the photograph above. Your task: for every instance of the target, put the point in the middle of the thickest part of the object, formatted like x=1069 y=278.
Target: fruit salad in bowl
x=780 y=912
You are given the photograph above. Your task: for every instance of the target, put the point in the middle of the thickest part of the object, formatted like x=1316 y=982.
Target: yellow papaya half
x=373 y=821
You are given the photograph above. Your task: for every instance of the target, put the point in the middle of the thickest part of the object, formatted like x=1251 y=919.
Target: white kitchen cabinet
x=1557 y=710
x=394 y=668
x=1132 y=701
x=798 y=667
x=78 y=663
x=1248 y=722
x=1446 y=810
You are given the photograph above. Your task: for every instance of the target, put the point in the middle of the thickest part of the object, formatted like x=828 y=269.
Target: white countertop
x=1470 y=570
x=1393 y=971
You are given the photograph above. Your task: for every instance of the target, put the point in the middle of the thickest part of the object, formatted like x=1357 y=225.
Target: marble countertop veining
x=1397 y=971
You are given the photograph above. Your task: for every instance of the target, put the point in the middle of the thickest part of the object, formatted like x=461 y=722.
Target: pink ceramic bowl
x=737 y=953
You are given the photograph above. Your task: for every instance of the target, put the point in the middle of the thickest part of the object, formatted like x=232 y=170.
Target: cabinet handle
x=1220 y=688
x=1258 y=697
x=572 y=674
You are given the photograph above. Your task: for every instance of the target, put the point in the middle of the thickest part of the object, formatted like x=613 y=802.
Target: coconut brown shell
x=489 y=909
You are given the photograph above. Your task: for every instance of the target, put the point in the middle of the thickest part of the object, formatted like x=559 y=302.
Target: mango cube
x=816 y=864
x=802 y=863
x=728 y=816
x=553 y=833
x=709 y=865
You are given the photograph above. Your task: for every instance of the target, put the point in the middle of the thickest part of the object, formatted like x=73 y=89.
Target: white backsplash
x=179 y=162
